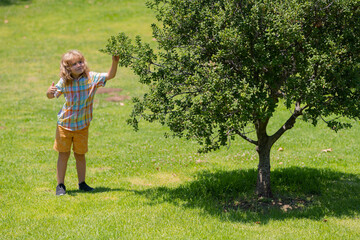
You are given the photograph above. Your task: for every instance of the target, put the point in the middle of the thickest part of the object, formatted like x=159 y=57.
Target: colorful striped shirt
x=76 y=113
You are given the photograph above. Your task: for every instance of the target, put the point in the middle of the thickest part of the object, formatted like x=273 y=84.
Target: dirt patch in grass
x=108 y=90
x=266 y=204
x=114 y=96
x=140 y=181
x=159 y=179
x=117 y=98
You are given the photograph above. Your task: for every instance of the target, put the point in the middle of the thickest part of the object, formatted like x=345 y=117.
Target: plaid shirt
x=76 y=113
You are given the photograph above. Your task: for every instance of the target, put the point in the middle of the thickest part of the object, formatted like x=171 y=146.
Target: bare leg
x=61 y=166
x=80 y=166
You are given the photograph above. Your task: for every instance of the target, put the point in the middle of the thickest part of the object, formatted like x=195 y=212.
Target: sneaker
x=84 y=187
x=60 y=189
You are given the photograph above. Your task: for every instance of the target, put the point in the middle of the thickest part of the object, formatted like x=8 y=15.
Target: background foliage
x=222 y=68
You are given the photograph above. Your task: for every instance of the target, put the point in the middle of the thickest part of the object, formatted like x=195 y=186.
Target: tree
x=223 y=66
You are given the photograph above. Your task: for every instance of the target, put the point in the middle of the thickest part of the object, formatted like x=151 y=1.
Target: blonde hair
x=65 y=67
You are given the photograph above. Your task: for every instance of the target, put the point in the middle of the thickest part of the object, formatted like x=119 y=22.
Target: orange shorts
x=64 y=139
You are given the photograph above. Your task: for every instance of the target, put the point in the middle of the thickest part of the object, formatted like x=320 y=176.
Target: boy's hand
x=51 y=91
x=115 y=58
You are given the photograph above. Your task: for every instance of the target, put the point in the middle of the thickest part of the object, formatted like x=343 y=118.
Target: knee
x=64 y=155
x=79 y=156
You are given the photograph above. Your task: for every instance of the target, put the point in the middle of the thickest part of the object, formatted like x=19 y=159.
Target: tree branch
x=327 y=6
x=246 y=138
x=289 y=123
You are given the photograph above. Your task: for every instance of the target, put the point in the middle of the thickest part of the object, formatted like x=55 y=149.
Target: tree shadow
x=299 y=192
x=13 y=2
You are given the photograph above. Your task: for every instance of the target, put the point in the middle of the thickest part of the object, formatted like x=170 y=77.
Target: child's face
x=77 y=67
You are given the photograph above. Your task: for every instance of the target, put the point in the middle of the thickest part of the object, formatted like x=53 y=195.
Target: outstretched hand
x=112 y=71
x=51 y=91
x=116 y=58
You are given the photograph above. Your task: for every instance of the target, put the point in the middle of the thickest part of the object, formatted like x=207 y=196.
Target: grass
x=147 y=186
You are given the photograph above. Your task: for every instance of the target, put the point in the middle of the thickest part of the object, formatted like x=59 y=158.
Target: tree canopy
x=223 y=66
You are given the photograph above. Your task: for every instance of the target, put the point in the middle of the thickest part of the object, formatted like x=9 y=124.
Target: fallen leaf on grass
x=327 y=150
x=286 y=207
x=200 y=161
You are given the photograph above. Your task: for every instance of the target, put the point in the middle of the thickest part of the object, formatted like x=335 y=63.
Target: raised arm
x=51 y=91
x=112 y=71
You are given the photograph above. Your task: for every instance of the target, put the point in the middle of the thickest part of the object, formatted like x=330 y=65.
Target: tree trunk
x=263 y=147
x=263 y=186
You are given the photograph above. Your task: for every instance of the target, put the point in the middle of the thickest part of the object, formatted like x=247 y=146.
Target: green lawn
x=147 y=186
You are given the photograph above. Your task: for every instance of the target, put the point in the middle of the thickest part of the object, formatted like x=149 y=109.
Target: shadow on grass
x=13 y=2
x=97 y=190
x=298 y=193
